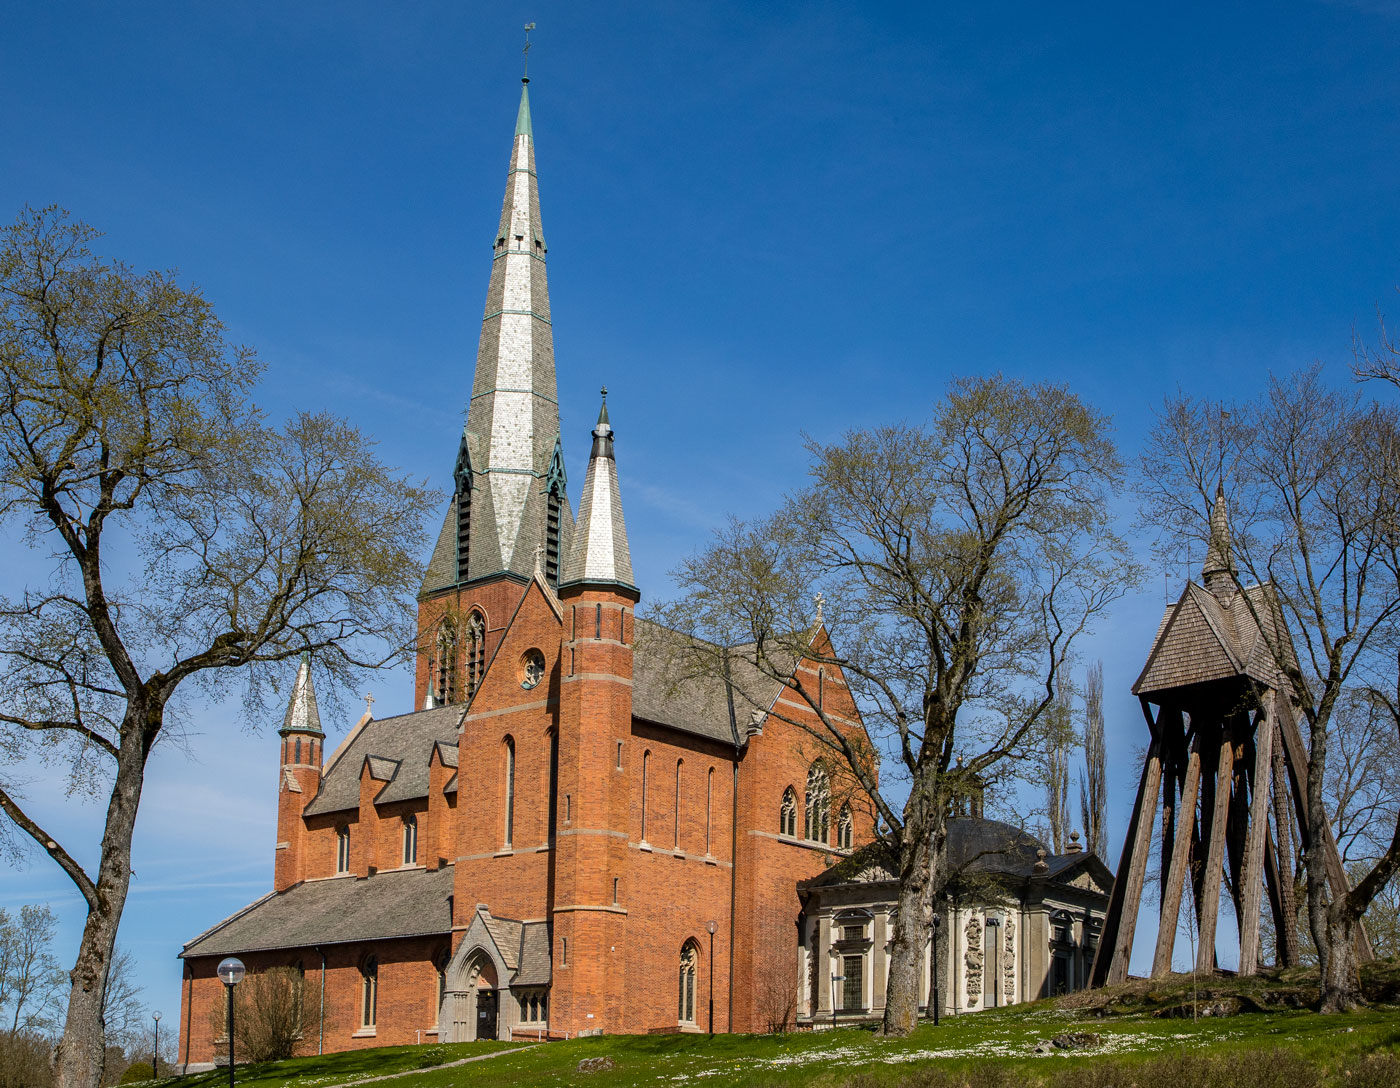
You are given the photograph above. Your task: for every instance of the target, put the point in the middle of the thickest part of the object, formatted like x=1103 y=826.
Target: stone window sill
x=365 y=1033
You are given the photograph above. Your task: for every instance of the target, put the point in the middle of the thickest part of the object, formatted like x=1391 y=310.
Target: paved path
x=435 y=1068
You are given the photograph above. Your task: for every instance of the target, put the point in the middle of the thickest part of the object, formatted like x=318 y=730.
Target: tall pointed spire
x=600 y=553
x=1218 y=570
x=302 y=714
x=510 y=486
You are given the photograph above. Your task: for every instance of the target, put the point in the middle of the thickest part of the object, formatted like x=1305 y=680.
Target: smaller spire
x=600 y=552
x=1218 y=570
x=302 y=714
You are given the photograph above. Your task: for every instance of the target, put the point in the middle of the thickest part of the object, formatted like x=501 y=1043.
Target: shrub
x=267 y=1009
x=24 y=1060
x=137 y=1071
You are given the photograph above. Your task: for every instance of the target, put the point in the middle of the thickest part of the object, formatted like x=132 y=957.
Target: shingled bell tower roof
x=600 y=554
x=509 y=478
x=302 y=713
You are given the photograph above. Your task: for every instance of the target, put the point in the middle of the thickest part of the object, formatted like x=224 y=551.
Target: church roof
x=405 y=741
x=975 y=845
x=400 y=903
x=1205 y=637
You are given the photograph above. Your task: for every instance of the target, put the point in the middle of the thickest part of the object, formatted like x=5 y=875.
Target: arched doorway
x=479 y=1000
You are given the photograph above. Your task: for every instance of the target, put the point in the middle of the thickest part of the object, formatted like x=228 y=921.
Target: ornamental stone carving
x=1008 y=959
x=973 y=960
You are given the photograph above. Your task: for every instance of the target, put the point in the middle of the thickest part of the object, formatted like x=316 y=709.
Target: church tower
x=299 y=776
x=595 y=728
x=509 y=498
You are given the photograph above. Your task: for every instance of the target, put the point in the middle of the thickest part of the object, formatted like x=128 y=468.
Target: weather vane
x=528 y=27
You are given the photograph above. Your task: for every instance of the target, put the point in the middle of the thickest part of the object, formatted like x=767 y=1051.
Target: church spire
x=509 y=485
x=1218 y=570
x=600 y=553
x=302 y=714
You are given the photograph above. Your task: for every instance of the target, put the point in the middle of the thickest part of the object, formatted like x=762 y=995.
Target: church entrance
x=486 y=1003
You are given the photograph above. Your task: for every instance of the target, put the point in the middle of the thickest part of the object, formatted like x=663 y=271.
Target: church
x=566 y=836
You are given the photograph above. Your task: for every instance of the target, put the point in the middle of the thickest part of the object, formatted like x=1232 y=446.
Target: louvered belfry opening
x=553 y=524
x=464 y=525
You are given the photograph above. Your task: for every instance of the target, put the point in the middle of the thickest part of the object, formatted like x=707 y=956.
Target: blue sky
x=763 y=219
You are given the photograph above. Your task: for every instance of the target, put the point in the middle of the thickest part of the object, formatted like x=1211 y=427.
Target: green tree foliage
x=192 y=544
x=958 y=562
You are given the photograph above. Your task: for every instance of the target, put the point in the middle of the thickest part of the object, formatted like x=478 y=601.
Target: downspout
x=733 y=840
x=321 y=1041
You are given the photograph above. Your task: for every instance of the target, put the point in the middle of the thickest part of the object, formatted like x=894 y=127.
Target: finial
x=604 y=424
x=820 y=602
x=525 y=77
x=369 y=703
x=539 y=558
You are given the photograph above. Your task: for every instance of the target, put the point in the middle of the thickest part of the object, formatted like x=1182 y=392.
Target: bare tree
x=959 y=562
x=123 y=1012
x=1093 y=784
x=193 y=545
x=30 y=977
x=267 y=1011
x=1314 y=477
x=1059 y=750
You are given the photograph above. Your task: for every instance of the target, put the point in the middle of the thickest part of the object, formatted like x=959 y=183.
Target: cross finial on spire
x=526 y=51
x=820 y=603
x=539 y=558
x=369 y=703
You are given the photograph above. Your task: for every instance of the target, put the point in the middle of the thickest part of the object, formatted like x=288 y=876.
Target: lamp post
x=712 y=926
x=834 y=980
x=937 y=921
x=155 y=1047
x=231 y=972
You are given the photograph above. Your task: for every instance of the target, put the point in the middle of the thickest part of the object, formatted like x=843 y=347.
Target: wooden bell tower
x=1226 y=757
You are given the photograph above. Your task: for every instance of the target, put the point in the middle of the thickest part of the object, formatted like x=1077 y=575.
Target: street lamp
x=937 y=921
x=712 y=926
x=155 y=1048
x=231 y=972
x=834 y=980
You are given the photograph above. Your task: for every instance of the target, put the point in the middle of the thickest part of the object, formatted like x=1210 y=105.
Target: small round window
x=531 y=668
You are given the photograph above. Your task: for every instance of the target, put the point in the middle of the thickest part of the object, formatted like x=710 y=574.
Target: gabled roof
x=1203 y=638
x=399 y=903
x=406 y=740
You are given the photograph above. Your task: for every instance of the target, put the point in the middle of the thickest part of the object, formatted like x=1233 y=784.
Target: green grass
x=1279 y=1044
x=349 y=1065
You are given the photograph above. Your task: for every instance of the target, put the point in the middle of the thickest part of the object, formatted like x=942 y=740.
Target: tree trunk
x=1341 y=975
x=922 y=824
x=80 y=1054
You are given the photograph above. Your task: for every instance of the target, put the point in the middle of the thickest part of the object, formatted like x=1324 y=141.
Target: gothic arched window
x=342 y=849
x=476 y=651
x=646 y=770
x=685 y=1005
x=845 y=828
x=462 y=500
x=510 y=789
x=676 y=843
x=444 y=678
x=787 y=815
x=818 y=802
x=369 y=991
x=410 y=840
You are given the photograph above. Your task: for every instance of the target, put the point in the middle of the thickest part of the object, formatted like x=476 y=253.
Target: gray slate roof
x=407 y=903
x=406 y=740
x=664 y=694
x=534 y=967
x=974 y=846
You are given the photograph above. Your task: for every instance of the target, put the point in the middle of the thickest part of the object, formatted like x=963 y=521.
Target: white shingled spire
x=302 y=714
x=600 y=552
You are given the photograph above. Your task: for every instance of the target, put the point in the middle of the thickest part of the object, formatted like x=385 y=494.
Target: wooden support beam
x=1237 y=826
x=1281 y=854
x=1174 y=877
x=1120 y=922
x=1274 y=885
x=1215 y=853
x=1170 y=727
x=1251 y=875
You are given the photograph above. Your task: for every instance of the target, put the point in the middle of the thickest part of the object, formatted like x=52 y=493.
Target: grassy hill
x=1256 y=1033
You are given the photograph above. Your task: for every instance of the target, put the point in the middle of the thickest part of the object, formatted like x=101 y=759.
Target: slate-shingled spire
x=1218 y=571
x=600 y=553
x=302 y=714
x=509 y=479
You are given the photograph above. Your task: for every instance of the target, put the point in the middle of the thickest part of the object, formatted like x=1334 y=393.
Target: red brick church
x=562 y=838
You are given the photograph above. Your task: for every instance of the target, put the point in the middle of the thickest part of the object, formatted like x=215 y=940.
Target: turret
x=596 y=757
x=299 y=776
